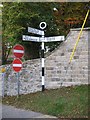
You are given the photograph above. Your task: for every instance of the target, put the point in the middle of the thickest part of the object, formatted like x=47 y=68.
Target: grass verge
x=67 y=102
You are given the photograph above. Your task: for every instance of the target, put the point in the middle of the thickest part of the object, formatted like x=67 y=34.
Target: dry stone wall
x=58 y=71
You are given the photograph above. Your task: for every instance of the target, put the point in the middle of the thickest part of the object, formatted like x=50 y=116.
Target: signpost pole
x=42 y=39
x=42 y=26
x=18 y=84
x=42 y=55
x=17 y=65
x=18 y=51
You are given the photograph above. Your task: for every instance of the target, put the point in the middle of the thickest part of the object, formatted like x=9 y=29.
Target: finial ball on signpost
x=42 y=25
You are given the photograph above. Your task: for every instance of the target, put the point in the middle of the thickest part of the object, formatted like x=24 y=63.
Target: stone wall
x=0 y=47
x=58 y=71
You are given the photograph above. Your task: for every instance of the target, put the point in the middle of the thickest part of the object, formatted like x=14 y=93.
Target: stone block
x=55 y=79
x=49 y=68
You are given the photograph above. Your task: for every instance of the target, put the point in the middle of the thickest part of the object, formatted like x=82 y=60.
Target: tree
x=18 y=16
x=16 y=19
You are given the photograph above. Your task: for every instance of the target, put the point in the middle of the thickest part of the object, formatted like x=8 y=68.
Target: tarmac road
x=12 y=112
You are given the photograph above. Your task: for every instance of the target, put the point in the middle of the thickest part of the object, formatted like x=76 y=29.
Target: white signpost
x=30 y=38
x=53 y=39
x=35 y=31
x=42 y=40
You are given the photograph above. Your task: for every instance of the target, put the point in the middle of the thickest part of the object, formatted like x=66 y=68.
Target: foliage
x=17 y=17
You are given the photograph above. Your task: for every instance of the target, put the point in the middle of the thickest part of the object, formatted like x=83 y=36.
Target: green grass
x=67 y=102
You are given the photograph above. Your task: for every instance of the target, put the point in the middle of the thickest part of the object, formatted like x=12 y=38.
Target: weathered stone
x=76 y=57
x=58 y=71
x=49 y=68
x=62 y=54
x=55 y=79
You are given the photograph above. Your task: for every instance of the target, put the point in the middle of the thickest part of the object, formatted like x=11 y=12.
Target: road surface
x=12 y=112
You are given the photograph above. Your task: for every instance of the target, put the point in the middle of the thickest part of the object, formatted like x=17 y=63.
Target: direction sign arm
x=30 y=38
x=35 y=31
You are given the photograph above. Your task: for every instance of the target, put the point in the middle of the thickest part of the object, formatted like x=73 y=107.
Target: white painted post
x=43 y=26
x=42 y=55
x=42 y=39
